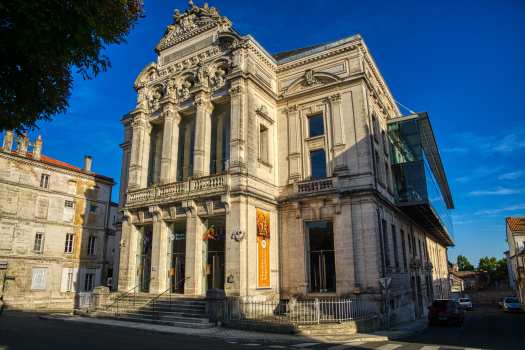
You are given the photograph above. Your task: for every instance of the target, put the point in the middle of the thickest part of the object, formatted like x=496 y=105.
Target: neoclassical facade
x=277 y=176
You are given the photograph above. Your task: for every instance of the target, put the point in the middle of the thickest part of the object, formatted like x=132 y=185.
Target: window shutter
x=97 y=277
x=82 y=280
x=63 y=285
x=75 y=280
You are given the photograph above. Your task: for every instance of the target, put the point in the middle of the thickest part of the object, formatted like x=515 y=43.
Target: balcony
x=200 y=187
x=420 y=184
x=316 y=187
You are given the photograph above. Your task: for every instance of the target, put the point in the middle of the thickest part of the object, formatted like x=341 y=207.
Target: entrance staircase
x=170 y=310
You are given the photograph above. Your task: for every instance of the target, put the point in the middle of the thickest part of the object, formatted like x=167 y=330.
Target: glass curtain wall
x=220 y=139
x=143 y=254
x=176 y=256
x=155 y=153
x=186 y=147
x=321 y=257
x=213 y=248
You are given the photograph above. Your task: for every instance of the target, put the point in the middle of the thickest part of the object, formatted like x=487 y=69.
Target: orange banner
x=263 y=248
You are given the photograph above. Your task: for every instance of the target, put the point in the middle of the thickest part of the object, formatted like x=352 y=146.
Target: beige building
x=275 y=176
x=55 y=224
x=515 y=228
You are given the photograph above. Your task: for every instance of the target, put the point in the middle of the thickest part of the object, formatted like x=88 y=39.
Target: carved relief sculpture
x=202 y=74
x=219 y=80
x=184 y=91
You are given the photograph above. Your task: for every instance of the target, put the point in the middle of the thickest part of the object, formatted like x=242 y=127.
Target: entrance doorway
x=213 y=247
x=144 y=244
x=321 y=257
x=176 y=256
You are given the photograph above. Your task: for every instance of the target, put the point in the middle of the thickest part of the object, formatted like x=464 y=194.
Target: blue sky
x=459 y=60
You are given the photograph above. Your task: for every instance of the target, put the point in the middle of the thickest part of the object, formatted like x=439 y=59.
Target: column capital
x=203 y=103
x=172 y=115
x=236 y=90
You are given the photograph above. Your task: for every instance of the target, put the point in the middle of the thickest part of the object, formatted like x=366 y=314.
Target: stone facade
x=53 y=220
x=515 y=232
x=304 y=140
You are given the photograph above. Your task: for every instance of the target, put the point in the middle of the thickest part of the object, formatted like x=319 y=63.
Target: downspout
x=379 y=225
x=104 y=254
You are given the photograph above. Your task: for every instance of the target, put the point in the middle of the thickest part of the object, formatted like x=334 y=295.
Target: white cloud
x=497 y=211
x=504 y=143
x=512 y=176
x=496 y=191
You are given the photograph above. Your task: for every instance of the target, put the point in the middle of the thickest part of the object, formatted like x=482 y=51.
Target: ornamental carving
x=309 y=77
x=218 y=80
x=154 y=102
x=335 y=97
x=202 y=74
x=199 y=103
x=186 y=22
x=184 y=91
x=236 y=90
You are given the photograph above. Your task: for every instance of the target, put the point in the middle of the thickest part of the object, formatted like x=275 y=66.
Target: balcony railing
x=178 y=189
x=316 y=186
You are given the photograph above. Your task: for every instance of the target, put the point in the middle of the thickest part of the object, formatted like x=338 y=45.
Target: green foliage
x=464 y=264
x=40 y=43
x=496 y=268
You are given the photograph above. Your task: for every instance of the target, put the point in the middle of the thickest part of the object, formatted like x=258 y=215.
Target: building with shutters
x=56 y=232
x=278 y=176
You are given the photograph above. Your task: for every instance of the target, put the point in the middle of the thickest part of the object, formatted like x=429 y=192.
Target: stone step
x=163 y=317
x=164 y=313
x=178 y=323
x=329 y=328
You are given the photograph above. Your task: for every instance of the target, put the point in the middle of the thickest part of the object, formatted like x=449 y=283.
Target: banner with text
x=263 y=249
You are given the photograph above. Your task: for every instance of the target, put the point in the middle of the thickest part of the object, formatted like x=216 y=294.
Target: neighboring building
x=279 y=176
x=512 y=283
x=516 y=240
x=474 y=280
x=456 y=286
x=53 y=222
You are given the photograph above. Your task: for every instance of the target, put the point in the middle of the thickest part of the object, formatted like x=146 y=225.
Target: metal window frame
x=71 y=245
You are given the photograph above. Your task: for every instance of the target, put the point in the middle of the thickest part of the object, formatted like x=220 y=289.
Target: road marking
x=303 y=345
x=389 y=347
x=232 y=342
x=278 y=346
x=429 y=347
x=252 y=344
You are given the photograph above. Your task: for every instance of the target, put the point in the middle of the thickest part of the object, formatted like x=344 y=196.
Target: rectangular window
x=69 y=243
x=69 y=204
x=318 y=159
x=38 y=282
x=69 y=280
x=394 y=238
x=419 y=243
x=315 y=124
x=375 y=126
x=92 y=245
x=387 y=176
x=378 y=167
x=386 y=243
x=44 y=181
x=263 y=143
x=39 y=237
x=403 y=246
x=90 y=279
x=93 y=209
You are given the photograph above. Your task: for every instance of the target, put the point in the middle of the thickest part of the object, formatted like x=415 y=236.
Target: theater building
x=277 y=176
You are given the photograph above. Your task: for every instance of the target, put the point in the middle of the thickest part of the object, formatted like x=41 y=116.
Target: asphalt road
x=487 y=327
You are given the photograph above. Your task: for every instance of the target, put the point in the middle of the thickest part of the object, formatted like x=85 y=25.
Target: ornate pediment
x=310 y=80
x=189 y=21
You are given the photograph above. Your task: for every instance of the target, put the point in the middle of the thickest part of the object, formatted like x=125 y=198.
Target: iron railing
x=297 y=312
x=152 y=301
x=129 y=291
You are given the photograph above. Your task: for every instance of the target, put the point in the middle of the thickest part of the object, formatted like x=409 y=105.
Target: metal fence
x=297 y=312
x=85 y=299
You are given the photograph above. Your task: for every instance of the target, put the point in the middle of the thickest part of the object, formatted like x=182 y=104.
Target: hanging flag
x=263 y=248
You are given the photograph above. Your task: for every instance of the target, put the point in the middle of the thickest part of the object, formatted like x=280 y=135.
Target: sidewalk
x=227 y=334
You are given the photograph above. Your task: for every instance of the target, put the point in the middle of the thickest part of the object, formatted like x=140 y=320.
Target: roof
x=58 y=163
x=286 y=54
x=516 y=224
x=456 y=277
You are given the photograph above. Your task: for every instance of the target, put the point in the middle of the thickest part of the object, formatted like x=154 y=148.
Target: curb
x=409 y=333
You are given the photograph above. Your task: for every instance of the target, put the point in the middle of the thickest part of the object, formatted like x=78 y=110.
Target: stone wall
x=486 y=297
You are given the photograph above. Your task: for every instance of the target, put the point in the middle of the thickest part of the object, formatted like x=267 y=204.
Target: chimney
x=37 y=148
x=87 y=164
x=23 y=142
x=8 y=141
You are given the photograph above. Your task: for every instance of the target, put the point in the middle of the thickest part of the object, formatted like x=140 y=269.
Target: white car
x=465 y=303
x=511 y=304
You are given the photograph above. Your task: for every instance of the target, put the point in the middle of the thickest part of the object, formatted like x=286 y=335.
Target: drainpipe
x=379 y=225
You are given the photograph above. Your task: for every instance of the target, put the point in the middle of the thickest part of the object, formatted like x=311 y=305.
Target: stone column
x=236 y=247
x=170 y=145
x=192 y=286
x=201 y=152
x=294 y=144
x=186 y=160
x=137 y=145
x=128 y=247
x=145 y=156
x=338 y=146
x=237 y=128
x=158 y=252
x=219 y=162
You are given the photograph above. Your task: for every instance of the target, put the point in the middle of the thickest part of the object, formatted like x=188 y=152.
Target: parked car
x=445 y=311
x=500 y=304
x=465 y=303
x=511 y=304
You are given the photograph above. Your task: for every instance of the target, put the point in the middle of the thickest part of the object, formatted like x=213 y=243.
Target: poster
x=263 y=248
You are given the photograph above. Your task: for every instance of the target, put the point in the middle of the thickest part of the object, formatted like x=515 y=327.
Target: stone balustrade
x=182 y=188
x=316 y=186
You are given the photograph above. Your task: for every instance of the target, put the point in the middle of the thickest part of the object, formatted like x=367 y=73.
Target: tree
x=464 y=264
x=40 y=43
x=496 y=268
x=488 y=264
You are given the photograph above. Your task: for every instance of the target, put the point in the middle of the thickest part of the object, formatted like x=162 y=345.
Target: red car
x=445 y=311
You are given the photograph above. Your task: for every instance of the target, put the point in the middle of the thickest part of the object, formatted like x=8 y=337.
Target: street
x=487 y=327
